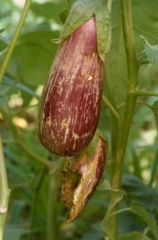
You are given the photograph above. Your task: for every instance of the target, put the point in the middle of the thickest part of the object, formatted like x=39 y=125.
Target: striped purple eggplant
x=71 y=99
x=81 y=177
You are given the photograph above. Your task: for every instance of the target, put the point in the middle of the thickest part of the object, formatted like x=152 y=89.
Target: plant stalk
x=4 y=191
x=55 y=181
x=113 y=120
x=154 y=168
x=145 y=93
x=124 y=126
x=109 y=91
x=36 y=189
x=155 y=164
x=14 y=39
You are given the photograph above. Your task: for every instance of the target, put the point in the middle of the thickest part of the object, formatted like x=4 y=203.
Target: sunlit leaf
x=80 y=12
x=32 y=57
x=48 y=9
x=151 y=51
x=144 y=17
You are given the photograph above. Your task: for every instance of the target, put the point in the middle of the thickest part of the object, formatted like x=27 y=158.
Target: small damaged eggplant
x=71 y=99
x=81 y=176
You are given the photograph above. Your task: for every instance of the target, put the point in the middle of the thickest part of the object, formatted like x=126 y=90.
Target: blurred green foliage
x=19 y=97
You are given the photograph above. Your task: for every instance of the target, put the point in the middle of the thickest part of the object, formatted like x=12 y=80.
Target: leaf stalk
x=4 y=191
x=14 y=39
x=111 y=107
x=55 y=182
x=145 y=93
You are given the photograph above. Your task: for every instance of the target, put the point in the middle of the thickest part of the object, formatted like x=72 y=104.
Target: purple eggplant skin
x=71 y=99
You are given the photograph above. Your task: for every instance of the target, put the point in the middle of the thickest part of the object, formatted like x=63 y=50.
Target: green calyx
x=90 y=150
x=80 y=12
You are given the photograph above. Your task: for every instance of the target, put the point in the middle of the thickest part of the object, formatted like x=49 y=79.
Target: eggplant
x=71 y=99
x=81 y=176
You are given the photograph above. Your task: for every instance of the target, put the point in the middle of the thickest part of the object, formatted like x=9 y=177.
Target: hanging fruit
x=71 y=99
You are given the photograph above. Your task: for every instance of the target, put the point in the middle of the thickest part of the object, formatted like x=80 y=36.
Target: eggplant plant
x=75 y=156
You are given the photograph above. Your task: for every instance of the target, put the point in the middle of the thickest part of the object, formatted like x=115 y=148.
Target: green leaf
x=32 y=58
x=16 y=211
x=136 y=163
x=48 y=9
x=155 y=108
x=103 y=23
x=114 y=196
x=83 y=10
x=155 y=111
x=144 y=22
x=93 y=233
x=79 y=13
x=105 y=185
x=32 y=61
x=14 y=232
x=63 y=15
x=70 y=2
x=141 y=211
x=151 y=51
x=133 y=235
x=21 y=86
x=136 y=190
x=1 y=30
x=3 y=44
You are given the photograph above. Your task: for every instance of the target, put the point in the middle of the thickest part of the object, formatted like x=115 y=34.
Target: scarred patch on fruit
x=81 y=176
